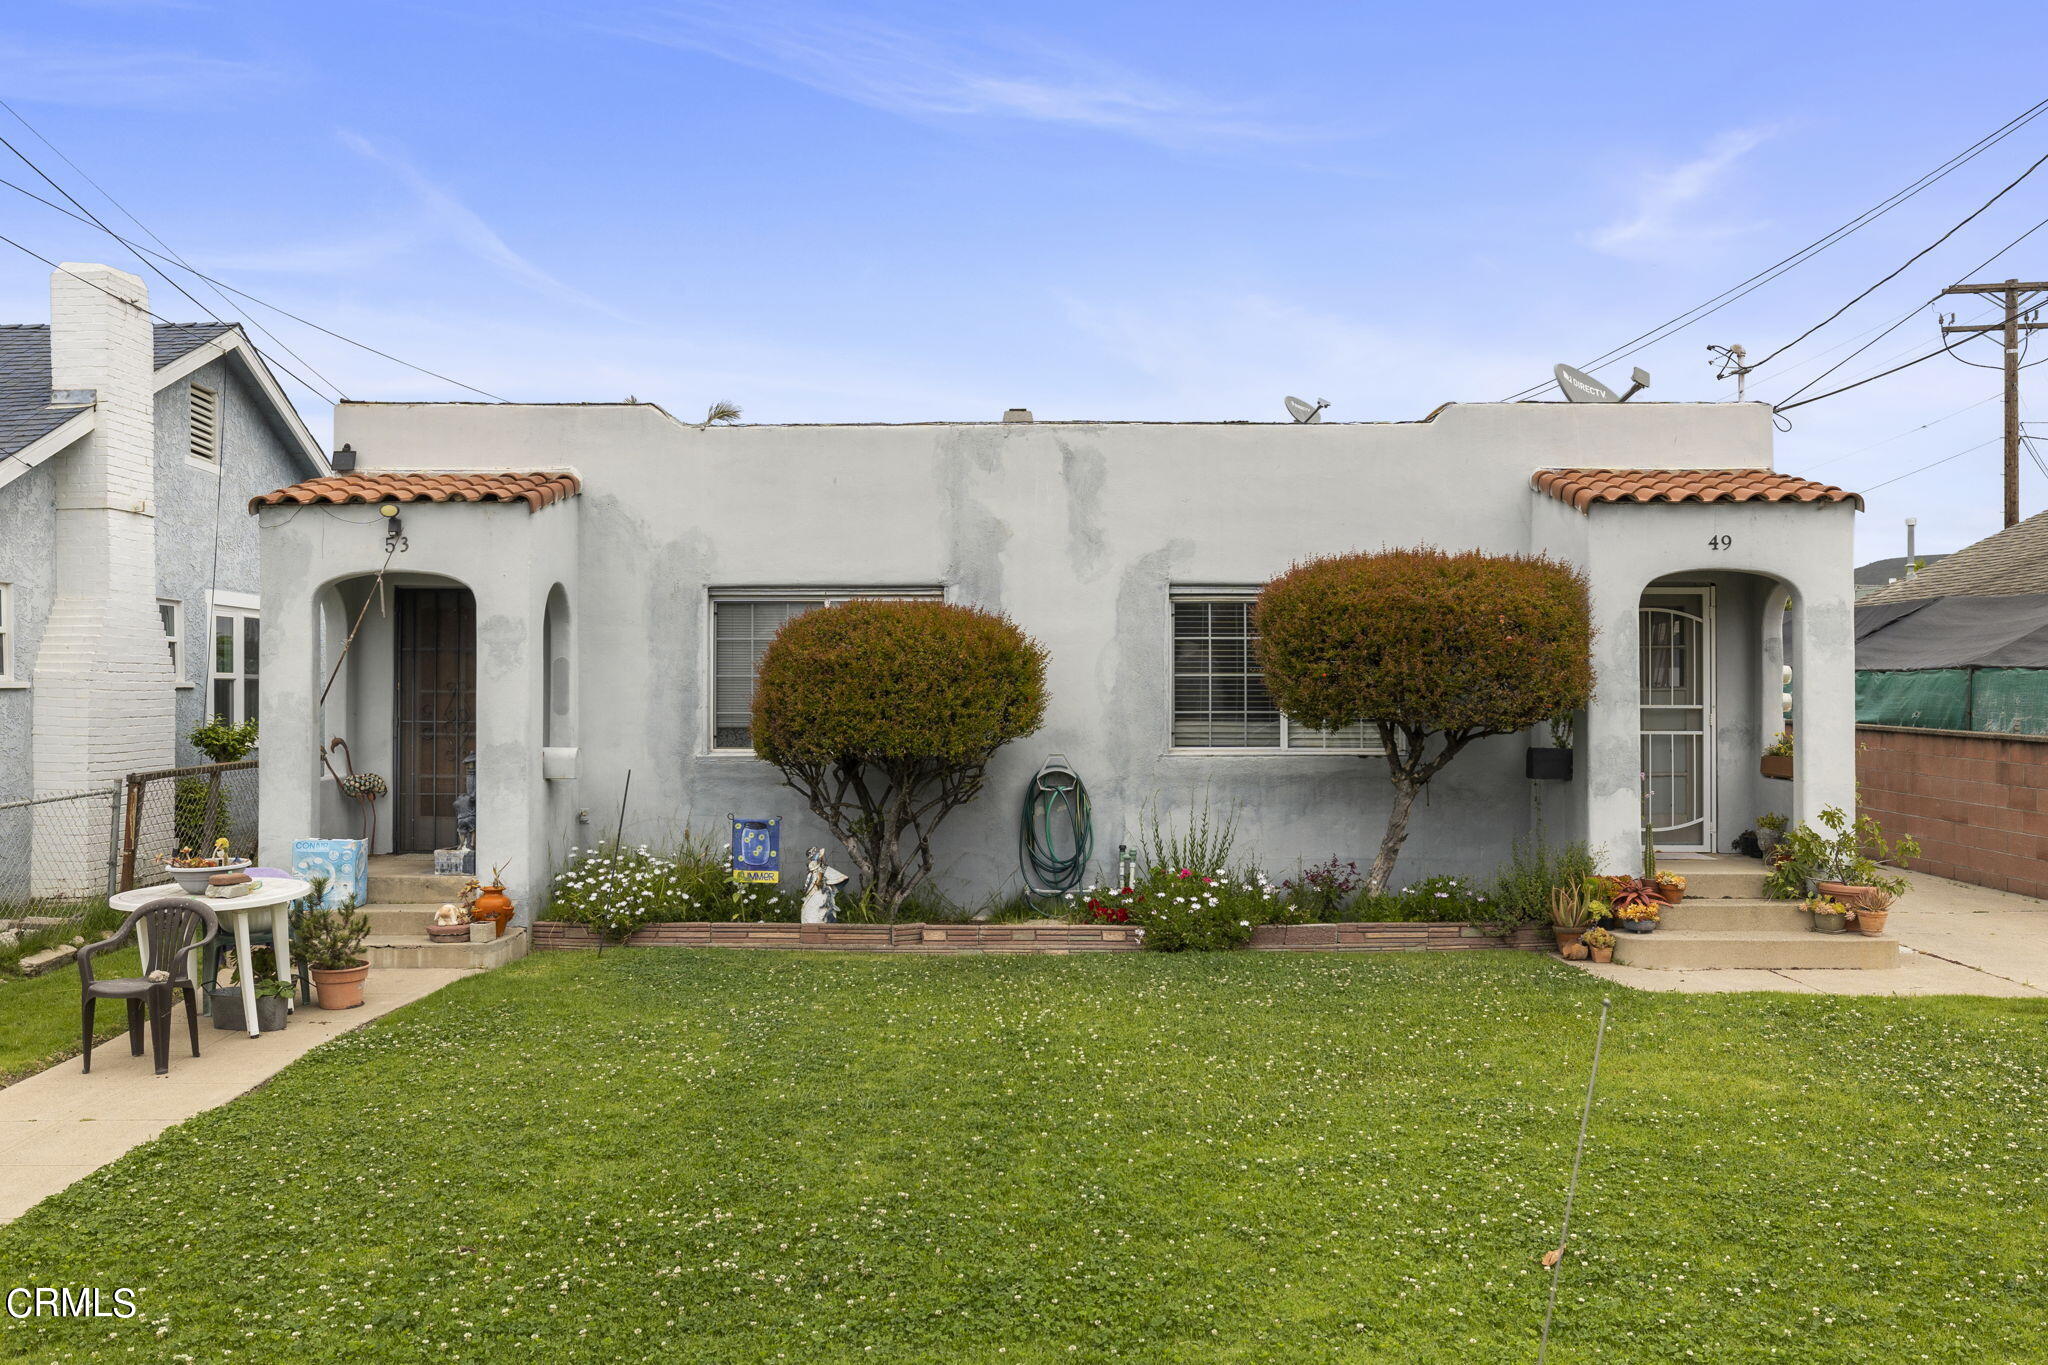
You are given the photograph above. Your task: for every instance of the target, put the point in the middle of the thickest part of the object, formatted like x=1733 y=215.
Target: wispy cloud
x=934 y=75
x=98 y=78
x=458 y=222
x=1662 y=214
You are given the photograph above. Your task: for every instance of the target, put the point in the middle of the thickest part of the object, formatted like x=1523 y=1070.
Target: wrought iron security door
x=1675 y=649
x=435 y=712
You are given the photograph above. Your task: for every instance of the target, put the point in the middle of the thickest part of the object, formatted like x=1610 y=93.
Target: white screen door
x=1675 y=649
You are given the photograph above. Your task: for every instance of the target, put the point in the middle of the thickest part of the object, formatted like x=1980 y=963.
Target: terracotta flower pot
x=493 y=904
x=340 y=988
x=1776 y=765
x=1871 y=922
x=448 y=933
x=1848 y=894
x=1672 y=894
x=1603 y=954
x=1567 y=937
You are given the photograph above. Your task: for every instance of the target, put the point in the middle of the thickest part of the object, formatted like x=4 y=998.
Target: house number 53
x=1719 y=542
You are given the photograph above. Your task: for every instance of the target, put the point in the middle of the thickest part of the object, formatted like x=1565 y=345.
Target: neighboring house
x=599 y=581
x=1879 y=573
x=129 y=585
x=1952 y=706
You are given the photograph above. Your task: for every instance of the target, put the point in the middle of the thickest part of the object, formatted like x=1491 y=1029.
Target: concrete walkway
x=63 y=1124
x=1956 y=939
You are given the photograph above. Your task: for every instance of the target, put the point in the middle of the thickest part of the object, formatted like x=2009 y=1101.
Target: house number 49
x=1719 y=542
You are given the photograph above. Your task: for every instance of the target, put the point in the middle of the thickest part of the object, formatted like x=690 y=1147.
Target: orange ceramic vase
x=493 y=904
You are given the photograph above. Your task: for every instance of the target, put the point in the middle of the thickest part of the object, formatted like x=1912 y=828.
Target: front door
x=1676 y=652
x=436 y=713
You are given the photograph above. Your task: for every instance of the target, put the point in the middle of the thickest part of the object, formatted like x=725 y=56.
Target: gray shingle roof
x=25 y=411
x=2013 y=562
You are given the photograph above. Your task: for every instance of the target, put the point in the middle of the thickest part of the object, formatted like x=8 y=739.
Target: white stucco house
x=578 y=591
x=130 y=606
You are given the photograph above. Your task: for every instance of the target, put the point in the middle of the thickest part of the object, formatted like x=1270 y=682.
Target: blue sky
x=918 y=211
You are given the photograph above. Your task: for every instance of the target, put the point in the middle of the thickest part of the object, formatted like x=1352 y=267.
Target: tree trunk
x=1396 y=835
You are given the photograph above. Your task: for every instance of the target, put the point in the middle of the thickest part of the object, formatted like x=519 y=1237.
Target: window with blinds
x=1220 y=702
x=742 y=626
x=203 y=432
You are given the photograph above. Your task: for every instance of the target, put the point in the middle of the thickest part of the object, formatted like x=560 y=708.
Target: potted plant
x=333 y=946
x=1843 y=859
x=491 y=902
x=1671 y=886
x=273 y=997
x=1830 y=916
x=1635 y=905
x=1777 y=758
x=1570 y=914
x=1552 y=763
x=451 y=924
x=192 y=871
x=1770 y=828
x=1599 y=942
x=1870 y=917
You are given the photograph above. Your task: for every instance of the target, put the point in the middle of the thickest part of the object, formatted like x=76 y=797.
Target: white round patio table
x=275 y=900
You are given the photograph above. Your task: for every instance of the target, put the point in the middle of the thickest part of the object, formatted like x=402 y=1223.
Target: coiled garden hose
x=1057 y=836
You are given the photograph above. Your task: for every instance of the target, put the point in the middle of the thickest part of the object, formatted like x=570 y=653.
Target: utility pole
x=2011 y=327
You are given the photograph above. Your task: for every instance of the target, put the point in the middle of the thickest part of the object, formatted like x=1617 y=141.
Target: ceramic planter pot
x=1672 y=894
x=340 y=988
x=192 y=880
x=1548 y=765
x=1855 y=897
x=493 y=904
x=448 y=933
x=1824 y=923
x=1567 y=937
x=1776 y=765
x=1871 y=922
x=1636 y=926
x=1602 y=954
x=225 y=1006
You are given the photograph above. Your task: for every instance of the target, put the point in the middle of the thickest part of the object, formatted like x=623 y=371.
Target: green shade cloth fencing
x=2010 y=701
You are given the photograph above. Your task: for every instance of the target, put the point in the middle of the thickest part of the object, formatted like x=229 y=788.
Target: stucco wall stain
x=1084 y=472
x=977 y=536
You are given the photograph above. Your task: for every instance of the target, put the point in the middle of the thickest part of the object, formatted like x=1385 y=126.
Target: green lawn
x=735 y=1157
x=39 y=1015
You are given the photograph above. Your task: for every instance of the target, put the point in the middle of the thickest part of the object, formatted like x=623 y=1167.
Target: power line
x=1925 y=467
x=52 y=183
x=1944 y=350
x=1966 y=220
x=1899 y=435
x=270 y=360
x=1736 y=291
x=243 y=294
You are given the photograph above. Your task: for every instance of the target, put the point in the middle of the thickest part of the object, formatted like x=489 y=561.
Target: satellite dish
x=1580 y=387
x=1301 y=410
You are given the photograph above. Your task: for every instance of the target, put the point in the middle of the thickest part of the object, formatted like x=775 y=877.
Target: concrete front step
x=1708 y=950
x=416 y=950
x=1734 y=915
x=388 y=918
x=419 y=888
x=1737 y=878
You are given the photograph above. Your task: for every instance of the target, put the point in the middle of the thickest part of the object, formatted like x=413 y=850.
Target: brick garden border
x=1035 y=938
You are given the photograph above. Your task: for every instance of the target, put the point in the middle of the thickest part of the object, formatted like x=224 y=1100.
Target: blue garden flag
x=757 y=850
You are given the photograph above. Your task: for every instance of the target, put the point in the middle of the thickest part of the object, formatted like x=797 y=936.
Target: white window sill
x=210 y=466
x=1273 y=753
x=184 y=687
x=12 y=685
x=730 y=753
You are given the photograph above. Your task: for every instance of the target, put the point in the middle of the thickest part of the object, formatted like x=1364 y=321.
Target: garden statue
x=821 y=890
x=465 y=817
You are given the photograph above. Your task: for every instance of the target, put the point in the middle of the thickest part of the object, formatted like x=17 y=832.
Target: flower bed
x=1033 y=938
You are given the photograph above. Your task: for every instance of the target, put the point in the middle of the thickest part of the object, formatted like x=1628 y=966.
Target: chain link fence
x=173 y=809
x=57 y=855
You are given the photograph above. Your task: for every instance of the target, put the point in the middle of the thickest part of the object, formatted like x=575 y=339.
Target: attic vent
x=204 y=441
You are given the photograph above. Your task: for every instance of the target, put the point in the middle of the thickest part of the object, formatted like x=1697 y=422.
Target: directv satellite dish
x=1580 y=387
x=1301 y=410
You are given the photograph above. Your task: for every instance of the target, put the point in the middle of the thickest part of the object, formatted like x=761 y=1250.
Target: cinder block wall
x=1977 y=803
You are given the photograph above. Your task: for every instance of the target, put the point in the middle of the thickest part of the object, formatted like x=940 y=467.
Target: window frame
x=206 y=456
x=175 y=635
x=1211 y=592
x=823 y=596
x=237 y=610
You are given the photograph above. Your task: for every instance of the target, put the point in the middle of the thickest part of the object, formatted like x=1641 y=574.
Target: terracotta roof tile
x=537 y=488
x=1583 y=487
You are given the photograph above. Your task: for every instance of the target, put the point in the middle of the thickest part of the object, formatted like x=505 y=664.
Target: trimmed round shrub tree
x=1433 y=649
x=884 y=715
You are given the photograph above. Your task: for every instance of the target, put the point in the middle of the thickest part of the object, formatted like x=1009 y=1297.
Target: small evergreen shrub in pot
x=332 y=941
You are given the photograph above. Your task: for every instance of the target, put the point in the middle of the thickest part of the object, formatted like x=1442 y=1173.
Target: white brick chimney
x=104 y=703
